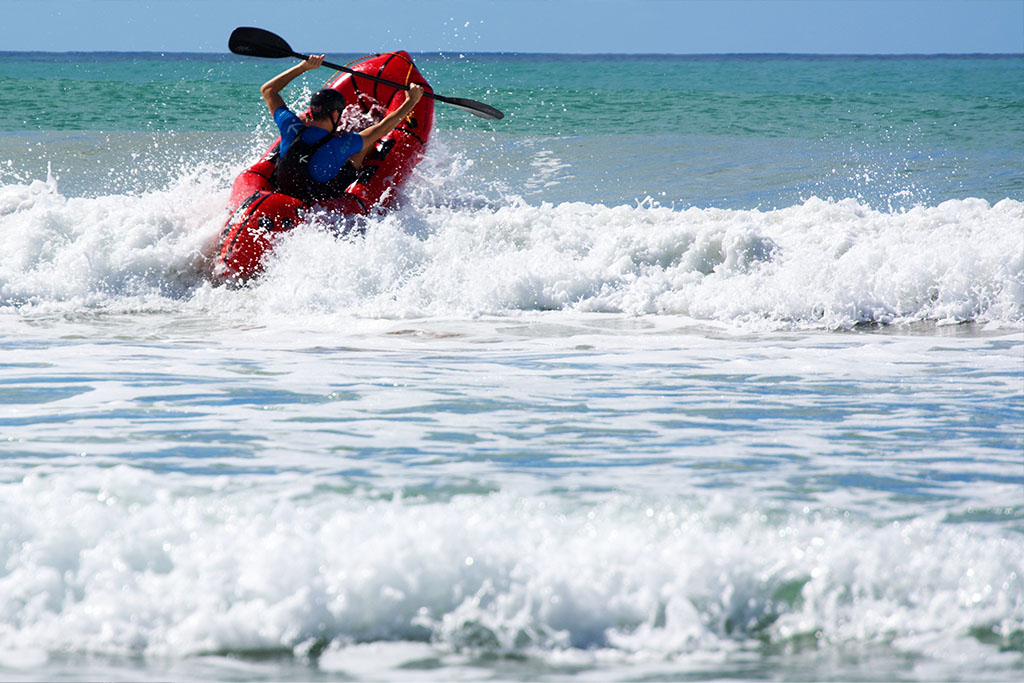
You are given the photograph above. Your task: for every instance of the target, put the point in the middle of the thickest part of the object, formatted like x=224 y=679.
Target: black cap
x=326 y=100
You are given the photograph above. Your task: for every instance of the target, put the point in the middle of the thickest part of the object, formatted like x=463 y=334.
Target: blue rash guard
x=329 y=159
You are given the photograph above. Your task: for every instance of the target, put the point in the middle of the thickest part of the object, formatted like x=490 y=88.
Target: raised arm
x=271 y=90
x=378 y=130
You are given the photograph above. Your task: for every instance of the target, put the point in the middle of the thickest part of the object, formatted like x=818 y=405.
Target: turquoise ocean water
x=689 y=368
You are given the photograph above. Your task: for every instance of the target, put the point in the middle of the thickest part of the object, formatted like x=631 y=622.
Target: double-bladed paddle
x=257 y=42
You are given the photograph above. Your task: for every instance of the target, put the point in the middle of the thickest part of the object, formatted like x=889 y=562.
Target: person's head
x=324 y=103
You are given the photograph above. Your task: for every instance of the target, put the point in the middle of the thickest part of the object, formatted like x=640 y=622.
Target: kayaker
x=316 y=163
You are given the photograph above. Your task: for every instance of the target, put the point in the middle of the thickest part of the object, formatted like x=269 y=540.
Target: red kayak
x=260 y=215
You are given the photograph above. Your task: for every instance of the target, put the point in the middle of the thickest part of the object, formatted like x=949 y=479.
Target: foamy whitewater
x=737 y=406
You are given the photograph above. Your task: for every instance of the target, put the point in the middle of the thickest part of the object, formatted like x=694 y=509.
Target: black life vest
x=292 y=175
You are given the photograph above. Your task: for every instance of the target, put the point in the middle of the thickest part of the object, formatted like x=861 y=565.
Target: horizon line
x=546 y=54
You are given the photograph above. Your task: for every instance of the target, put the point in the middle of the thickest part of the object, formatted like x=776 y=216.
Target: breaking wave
x=820 y=264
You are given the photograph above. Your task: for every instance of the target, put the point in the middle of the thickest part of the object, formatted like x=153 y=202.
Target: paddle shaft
x=458 y=102
x=338 y=67
x=469 y=105
x=258 y=42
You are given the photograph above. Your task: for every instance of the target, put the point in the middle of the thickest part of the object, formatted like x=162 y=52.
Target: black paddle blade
x=484 y=111
x=256 y=42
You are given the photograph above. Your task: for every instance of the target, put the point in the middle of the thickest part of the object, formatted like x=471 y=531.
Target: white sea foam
x=122 y=561
x=102 y=251
x=820 y=264
x=604 y=547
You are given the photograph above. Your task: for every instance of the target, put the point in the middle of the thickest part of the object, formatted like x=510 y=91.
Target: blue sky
x=575 y=26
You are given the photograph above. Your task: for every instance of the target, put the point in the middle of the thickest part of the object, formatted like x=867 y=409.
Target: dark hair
x=324 y=101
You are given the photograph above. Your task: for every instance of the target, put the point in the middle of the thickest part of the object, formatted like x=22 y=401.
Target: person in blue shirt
x=316 y=163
